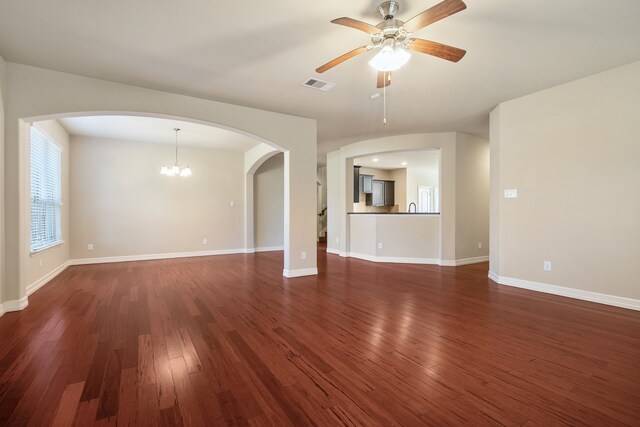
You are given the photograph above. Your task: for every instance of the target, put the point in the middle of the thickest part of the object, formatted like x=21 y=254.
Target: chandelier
x=175 y=169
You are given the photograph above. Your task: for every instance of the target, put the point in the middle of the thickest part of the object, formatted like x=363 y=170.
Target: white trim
x=333 y=251
x=148 y=257
x=629 y=303
x=46 y=279
x=407 y=260
x=403 y=260
x=46 y=247
x=22 y=303
x=269 y=249
x=493 y=276
x=14 y=305
x=299 y=273
x=464 y=261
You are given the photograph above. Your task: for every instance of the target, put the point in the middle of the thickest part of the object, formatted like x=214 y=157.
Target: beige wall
x=322 y=200
x=41 y=264
x=32 y=93
x=472 y=197
x=382 y=174
x=2 y=233
x=573 y=154
x=334 y=214
x=404 y=238
x=399 y=176
x=122 y=205
x=340 y=193
x=268 y=205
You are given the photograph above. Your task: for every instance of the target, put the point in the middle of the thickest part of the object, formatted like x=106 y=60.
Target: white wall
x=427 y=175
x=41 y=264
x=32 y=94
x=573 y=154
x=268 y=205
x=122 y=205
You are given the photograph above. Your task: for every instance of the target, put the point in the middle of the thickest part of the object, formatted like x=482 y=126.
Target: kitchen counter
x=395 y=237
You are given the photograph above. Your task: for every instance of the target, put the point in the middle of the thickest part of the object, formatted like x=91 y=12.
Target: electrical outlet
x=232 y=203
x=90 y=247
x=547 y=266
x=380 y=245
x=40 y=262
x=337 y=240
x=205 y=241
x=479 y=245
x=303 y=255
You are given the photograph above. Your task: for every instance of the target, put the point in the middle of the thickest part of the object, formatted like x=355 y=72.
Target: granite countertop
x=393 y=213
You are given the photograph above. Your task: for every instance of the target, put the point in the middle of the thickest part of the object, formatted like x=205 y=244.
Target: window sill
x=46 y=248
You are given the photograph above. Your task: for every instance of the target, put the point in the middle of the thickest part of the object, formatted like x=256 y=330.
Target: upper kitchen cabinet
x=383 y=193
x=389 y=193
x=366 y=184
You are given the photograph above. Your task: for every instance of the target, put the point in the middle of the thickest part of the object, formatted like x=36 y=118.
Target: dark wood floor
x=226 y=340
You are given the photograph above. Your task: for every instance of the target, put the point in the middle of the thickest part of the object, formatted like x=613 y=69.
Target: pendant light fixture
x=175 y=169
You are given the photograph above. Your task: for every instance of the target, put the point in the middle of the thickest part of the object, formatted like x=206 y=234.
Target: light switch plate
x=511 y=193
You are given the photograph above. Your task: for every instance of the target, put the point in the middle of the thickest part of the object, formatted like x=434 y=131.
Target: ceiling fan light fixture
x=390 y=58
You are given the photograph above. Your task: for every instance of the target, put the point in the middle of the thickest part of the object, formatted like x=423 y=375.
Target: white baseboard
x=269 y=249
x=463 y=261
x=629 y=303
x=46 y=279
x=400 y=260
x=427 y=261
x=22 y=303
x=14 y=305
x=333 y=251
x=149 y=257
x=299 y=273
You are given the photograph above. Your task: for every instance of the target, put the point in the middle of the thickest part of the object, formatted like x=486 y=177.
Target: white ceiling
x=157 y=130
x=258 y=53
x=395 y=160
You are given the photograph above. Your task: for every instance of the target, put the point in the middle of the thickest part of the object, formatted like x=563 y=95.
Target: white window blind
x=46 y=191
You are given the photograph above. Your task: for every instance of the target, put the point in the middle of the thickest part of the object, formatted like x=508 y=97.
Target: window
x=46 y=193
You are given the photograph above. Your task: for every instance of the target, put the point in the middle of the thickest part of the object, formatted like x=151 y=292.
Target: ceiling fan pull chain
x=384 y=99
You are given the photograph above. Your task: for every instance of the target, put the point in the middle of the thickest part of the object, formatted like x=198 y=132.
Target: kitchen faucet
x=414 y=207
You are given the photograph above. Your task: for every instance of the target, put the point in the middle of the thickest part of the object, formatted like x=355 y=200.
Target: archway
x=59 y=94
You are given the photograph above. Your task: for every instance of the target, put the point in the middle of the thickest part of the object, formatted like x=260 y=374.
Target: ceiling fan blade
x=358 y=25
x=434 y=14
x=440 y=50
x=341 y=59
x=384 y=79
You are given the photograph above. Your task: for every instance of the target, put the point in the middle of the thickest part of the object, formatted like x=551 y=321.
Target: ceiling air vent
x=319 y=84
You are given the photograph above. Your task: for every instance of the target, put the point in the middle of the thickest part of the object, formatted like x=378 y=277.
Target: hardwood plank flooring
x=226 y=340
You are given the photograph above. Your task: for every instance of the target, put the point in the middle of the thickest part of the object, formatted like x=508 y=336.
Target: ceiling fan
x=393 y=36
